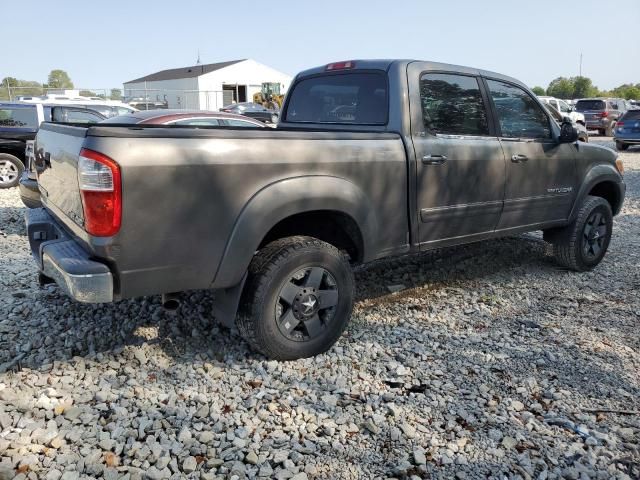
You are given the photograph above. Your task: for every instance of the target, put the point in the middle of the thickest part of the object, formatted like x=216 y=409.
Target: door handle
x=518 y=158
x=434 y=159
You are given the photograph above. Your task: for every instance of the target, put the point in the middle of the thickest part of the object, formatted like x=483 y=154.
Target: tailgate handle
x=519 y=158
x=434 y=159
x=47 y=159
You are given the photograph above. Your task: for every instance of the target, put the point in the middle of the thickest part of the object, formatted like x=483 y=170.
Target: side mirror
x=568 y=133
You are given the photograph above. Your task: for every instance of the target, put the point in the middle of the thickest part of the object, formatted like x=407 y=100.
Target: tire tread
x=261 y=271
x=566 y=240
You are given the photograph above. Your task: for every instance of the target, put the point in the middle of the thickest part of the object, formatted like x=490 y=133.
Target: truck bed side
x=203 y=194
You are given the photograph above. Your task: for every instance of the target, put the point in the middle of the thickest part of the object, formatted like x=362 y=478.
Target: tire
x=621 y=146
x=581 y=245
x=281 y=310
x=11 y=169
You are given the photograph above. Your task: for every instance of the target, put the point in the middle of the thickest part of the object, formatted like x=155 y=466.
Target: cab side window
x=518 y=113
x=452 y=104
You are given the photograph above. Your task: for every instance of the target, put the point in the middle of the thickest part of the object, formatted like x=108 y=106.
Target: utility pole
x=580 y=63
x=8 y=89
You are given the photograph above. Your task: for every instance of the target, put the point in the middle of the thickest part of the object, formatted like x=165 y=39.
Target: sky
x=103 y=44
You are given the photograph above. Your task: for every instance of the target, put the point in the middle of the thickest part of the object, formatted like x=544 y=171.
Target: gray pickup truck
x=371 y=159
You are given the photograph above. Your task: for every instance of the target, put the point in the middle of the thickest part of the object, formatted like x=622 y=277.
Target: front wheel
x=297 y=300
x=10 y=170
x=582 y=244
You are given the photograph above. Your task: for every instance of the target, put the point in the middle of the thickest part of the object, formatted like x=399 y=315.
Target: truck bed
x=188 y=198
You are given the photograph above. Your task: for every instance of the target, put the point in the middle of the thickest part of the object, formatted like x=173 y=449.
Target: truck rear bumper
x=62 y=259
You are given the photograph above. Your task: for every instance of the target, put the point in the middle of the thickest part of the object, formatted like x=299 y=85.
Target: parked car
x=273 y=220
x=194 y=118
x=564 y=108
x=77 y=114
x=253 y=110
x=583 y=134
x=108 y=108
x=18 y=124
x=601 y=114
x=628 y=130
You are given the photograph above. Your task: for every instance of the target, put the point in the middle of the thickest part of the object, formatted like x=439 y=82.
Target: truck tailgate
x=56 y=157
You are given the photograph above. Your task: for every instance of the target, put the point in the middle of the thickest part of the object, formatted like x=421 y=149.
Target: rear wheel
x=582 y=244
x=11 y=168
x=297 y=300
x=621 y=146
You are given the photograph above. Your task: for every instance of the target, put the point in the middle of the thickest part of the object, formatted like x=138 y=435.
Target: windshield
x=351 y=98
x=18 y=117
x=584 y=105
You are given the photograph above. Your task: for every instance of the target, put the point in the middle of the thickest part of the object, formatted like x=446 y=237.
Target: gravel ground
x=492 y=363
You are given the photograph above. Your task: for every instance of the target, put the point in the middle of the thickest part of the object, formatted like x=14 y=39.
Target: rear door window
x=18 y=118
x=350 y=98
x=519 y=115
x=452 y=104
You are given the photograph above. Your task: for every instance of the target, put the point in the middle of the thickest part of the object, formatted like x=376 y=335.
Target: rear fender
x=283 y=199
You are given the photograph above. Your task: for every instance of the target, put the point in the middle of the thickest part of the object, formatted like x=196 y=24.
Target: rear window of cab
x=347 y=98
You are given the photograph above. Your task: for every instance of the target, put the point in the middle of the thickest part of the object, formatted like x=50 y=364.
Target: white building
x=206 y=87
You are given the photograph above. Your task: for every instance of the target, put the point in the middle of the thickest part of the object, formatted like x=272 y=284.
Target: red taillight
x=341 y=65
x=101 y=191
x=620 y=124
x=604 y=114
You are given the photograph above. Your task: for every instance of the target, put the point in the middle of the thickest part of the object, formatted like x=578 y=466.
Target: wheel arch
x=289 y=207
x=14 y=148
x=601 y=181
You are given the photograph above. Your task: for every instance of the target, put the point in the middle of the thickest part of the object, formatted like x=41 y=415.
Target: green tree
x=628 y=91
x=583 y=88
x=561 y=87
x=59 y=79
x=538 y=90
x=116 y=94
x=87 y=93
x=18 y=88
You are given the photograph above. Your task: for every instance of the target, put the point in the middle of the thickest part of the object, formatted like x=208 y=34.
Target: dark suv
x=601 y=114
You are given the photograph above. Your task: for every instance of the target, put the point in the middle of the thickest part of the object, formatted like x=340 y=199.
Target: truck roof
x=385 y=64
